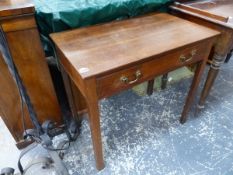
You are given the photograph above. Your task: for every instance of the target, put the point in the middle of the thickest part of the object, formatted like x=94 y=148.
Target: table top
x=15 y=7
x=219 y=12
x=219 y=7
x=102 y=48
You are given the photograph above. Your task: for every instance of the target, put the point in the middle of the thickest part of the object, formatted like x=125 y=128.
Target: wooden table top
x=102 y=48
x=219 y=12
x=15 y=7
x=219 y=7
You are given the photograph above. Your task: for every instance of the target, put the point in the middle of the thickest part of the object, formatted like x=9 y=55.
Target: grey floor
x=8 y=151
x=142 y=135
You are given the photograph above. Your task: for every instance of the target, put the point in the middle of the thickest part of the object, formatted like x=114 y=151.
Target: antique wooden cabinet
x=18 y=24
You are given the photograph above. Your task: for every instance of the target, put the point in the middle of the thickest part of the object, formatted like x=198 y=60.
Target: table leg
x=164 y=81
x=212 y=74
x=69 y=94
x=150 y=87
x=192 y=91
x=229 y=55
x=94 y=121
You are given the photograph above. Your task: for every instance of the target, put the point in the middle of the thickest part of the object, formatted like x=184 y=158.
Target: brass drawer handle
x=185 y=59
x=125 y=79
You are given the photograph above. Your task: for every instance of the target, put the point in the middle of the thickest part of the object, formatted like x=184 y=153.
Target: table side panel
x=72 y=72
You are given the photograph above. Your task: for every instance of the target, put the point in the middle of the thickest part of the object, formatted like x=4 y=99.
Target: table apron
x=126 y=78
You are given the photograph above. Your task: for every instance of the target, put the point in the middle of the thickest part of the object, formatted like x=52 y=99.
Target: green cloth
x=59 y=15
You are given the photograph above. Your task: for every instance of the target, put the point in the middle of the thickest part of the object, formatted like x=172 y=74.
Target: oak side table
x=105 y=59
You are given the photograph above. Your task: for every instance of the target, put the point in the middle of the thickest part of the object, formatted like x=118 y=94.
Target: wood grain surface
x=16 y=7
x=92 y=50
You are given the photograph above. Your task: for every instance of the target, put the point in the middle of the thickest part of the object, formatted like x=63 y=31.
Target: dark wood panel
x=79 y=100
x=33 y=69
x=17 y=24
x=10 y=105
x=24 y=44
x=16 y=7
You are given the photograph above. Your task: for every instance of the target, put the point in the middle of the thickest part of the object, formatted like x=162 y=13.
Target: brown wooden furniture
x=105 y=59
x=215 y=14
x=20 y=29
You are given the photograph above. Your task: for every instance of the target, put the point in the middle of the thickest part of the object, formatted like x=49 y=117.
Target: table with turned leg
x=215 y=14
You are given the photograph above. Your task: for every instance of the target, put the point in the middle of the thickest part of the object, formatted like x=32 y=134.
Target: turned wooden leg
x=69 y=94
x=164 y=81
x=229 y=55
x=192 y=91
x=150 y=87
x=212 y=74
x=94 y=121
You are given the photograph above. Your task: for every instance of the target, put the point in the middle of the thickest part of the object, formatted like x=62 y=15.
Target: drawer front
x=114 y=82
x=126 y=78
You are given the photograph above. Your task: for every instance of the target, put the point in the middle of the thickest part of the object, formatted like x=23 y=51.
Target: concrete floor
x=8 y=152
x=142 y=135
